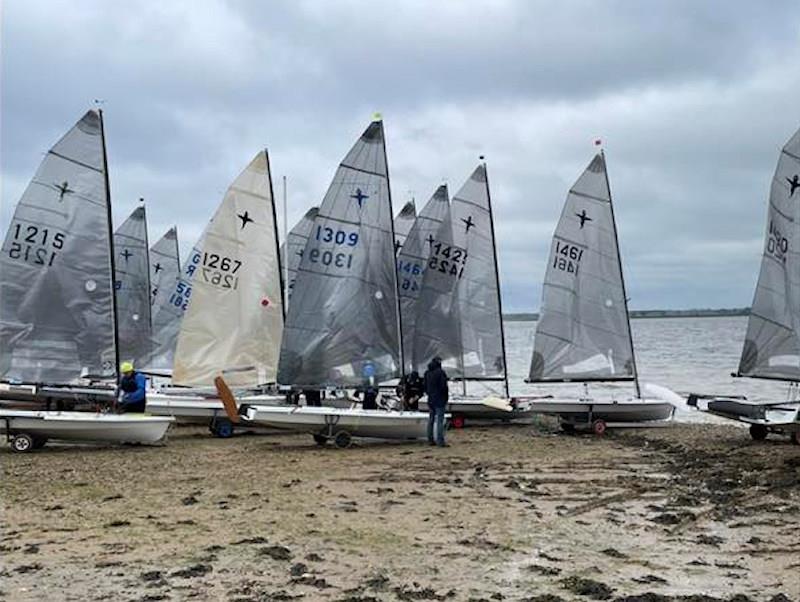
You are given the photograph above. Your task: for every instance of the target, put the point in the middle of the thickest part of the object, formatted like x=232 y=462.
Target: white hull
x=199 y=409
x=380 y=424
x=780 y=416
x=631 y=411
x=85 y=426
x=490 y=408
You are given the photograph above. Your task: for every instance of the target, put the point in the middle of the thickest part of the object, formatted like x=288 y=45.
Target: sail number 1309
x=567 y=257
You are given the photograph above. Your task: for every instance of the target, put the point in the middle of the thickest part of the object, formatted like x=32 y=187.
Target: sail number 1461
x=567 y=257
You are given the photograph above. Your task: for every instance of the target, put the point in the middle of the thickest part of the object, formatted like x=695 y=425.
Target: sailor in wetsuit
x=133 y=385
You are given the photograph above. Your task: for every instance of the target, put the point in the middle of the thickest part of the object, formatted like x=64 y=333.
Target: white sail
x=56 y=285
x=403 y=223
x=234 y=322
x=771 y=346
x=583 y=332
x=164 y=268
x=132 y=287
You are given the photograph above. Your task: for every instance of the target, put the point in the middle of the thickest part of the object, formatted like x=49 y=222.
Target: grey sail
x=771 y=346
x=56 y=285
x=296 y=243
x=483 y=356
x=428 y=270
x=164 y=267
x=403 y=224
x=169 y=314
x=583 y=332
x=342 y=322
x=133 y=287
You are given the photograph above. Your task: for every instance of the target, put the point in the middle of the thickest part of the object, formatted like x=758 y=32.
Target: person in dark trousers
x=438 y=396
x=134 y=387
x=313 y=397
x=413 y=389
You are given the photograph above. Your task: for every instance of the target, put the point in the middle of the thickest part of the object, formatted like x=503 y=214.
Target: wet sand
x=508 y=512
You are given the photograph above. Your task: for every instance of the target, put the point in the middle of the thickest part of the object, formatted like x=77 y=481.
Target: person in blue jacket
x=134 y=386
x=438 y=395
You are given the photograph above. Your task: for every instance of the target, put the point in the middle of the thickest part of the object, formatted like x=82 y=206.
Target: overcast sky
x=693 y=101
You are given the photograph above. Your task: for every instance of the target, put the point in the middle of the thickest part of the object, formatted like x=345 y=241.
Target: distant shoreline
x=653 y=313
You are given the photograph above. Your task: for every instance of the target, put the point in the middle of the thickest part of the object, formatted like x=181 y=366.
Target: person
x=134 y=386
x=370 y=393
x=438 y=396
x=313 y=397
x=412 y=390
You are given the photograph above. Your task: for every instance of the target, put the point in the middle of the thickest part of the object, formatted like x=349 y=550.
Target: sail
x=169 y=313
x=771 y=346
x=56 y=286
x=478 y=295
x=296 y=241
x=133 y=287
x=428 y=269
x=583 y=328
x=234 y=321
x=403 y=224
x=164 y=268
x=342 y=323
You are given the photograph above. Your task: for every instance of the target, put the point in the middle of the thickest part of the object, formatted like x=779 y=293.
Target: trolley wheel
x=320 y=439
x=568 y=428
x=22 y=443
x=599 y=427
x=39 y=442
x=758 y=432
x=795 y=437
x=458 y=422
x=222 y=429
x=342 y=439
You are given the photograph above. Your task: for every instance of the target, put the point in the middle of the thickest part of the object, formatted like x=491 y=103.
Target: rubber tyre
x=795 y=437
x=22 y=444
x=342 y=440
x=39 y=442
x=599 y=427
x=320 y=439
x=223 y=429
x=758 y=432
x=568 y=428
x=458 y=422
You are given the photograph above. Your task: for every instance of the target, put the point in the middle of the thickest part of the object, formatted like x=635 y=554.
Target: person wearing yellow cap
x=134 y=386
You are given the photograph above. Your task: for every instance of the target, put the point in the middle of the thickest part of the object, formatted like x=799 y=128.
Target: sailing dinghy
x=234 y=322
x=342 y=328
x=58 y=316
x=583 y=334
x=772 y=344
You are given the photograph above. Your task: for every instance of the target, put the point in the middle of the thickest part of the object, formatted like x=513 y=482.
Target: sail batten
x=772 y=344
x=583 y=331
x=56 y=254
x=234 y=321
x=341 y=328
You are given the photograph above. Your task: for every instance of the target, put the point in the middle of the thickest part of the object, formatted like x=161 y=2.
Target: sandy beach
x=508 y=512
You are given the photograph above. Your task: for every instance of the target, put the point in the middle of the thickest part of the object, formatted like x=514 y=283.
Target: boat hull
x=328 y=422
x=636 y=411
x=85 y=426
x=480 y=409
x=780 y=416
x=197 y=409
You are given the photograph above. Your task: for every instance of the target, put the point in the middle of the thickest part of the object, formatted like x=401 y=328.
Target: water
x=684 y=354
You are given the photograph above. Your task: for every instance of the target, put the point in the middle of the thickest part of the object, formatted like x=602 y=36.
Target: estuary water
x=684 y=354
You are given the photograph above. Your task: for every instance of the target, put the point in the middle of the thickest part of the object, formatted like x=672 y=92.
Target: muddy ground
x=508 y=512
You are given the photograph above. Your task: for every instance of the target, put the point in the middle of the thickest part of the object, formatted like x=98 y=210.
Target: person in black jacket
x=438 y=396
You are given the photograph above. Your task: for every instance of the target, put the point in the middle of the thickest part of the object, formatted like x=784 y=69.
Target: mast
x=275 y=229
x=622 y=280
x=286 y=248
x=378 y=117
x=147 y=263
x=177 y=249
x=110 y=222
x=497 y=279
